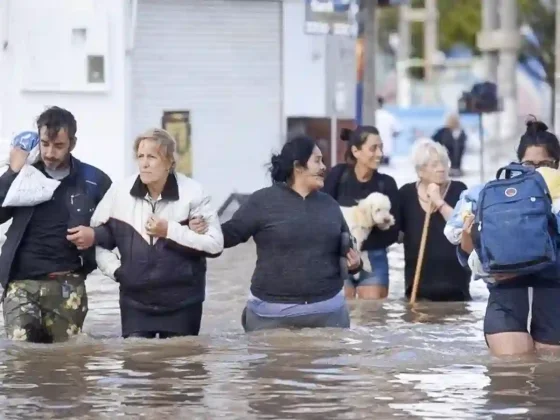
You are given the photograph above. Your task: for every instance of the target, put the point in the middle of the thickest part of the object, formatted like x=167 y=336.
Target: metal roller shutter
x=220 y=60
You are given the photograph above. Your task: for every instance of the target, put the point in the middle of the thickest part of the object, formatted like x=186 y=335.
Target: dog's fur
x=372 y=211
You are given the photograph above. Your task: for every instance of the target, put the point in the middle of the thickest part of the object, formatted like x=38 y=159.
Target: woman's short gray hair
x=166 y=142
x=424 y=150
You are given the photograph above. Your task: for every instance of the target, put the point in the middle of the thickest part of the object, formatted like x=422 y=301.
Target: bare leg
x=374 y=285
x=505 y=322
x=546 y=348
x=510 y=343
x=372 y=292
x=349 y=292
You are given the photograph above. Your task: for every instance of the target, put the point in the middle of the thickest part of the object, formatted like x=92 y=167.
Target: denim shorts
x=380 y=270
x=508 y=311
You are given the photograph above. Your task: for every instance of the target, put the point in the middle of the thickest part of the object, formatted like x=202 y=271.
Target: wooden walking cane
x=420 y=259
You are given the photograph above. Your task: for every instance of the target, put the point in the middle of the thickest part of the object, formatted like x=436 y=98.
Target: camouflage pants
x=45 y=311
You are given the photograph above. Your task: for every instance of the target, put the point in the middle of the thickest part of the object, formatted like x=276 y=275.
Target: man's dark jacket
x=90 y=186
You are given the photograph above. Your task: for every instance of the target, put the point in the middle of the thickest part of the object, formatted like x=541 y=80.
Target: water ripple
x=430 y=362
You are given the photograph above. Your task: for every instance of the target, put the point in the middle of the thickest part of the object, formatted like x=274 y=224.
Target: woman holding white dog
x=353 y=181
x=303 y=245
x=442 y=277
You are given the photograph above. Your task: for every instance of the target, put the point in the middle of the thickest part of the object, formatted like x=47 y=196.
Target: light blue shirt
x=284 y=310
x=467 y=200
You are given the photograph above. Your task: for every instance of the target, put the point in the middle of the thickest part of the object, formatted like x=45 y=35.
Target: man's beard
x=57 y=164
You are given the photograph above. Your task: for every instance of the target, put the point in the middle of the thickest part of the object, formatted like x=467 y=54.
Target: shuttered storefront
x=221 y=61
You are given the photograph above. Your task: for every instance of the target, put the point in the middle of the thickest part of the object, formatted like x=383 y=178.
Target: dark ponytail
x=345 y=134
x=534 y=127
x=295 y=152
x=280 y=169
x=537 y=134
x=356 y=138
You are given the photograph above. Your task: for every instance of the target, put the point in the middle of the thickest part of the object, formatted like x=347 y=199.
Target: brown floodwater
x=394 y=362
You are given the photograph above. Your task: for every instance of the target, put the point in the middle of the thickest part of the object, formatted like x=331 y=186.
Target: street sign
x=331 y=17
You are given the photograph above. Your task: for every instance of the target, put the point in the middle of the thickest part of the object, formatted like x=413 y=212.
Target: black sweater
x=442 y=277
x=298 y=244
x=341 y=183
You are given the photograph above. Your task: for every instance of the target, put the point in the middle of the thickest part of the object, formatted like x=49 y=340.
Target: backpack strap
x=343 y=177
x=381 y=187
x=513 y=167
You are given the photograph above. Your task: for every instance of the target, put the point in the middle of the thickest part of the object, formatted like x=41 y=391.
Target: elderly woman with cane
x=425 y=206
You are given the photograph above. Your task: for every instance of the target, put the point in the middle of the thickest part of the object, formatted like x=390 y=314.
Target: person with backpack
x=355 y=180
x=515 y=234
x=540 y=214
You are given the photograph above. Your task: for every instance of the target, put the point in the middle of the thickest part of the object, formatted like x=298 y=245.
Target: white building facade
x=239 y=67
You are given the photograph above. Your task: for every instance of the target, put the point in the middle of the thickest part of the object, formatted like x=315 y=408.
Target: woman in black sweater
x=303 y=245
x=353 y=181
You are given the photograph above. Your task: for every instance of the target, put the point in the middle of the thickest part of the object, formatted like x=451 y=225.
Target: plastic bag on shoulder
x=31 y=186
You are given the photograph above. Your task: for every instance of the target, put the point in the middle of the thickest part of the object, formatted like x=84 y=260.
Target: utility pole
x=368 y=11
x=491 y=23
x=332 y=61
x=508 y=69
x=557 y=72
x=403 y=55
x=428 y=16
x=430 y=39
x=505 y=40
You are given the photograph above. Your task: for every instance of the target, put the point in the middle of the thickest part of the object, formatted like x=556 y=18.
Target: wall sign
x=178 y=124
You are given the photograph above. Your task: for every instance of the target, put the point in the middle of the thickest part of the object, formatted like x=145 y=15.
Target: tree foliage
x=543 y=21
x=460 y=21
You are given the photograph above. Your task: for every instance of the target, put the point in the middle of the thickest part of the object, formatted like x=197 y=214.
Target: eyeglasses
x=543 y=164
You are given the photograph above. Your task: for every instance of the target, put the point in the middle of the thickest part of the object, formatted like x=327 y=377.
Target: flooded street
x=428 y=363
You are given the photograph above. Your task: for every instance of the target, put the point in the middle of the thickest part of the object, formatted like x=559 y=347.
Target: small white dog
x=372 y=211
